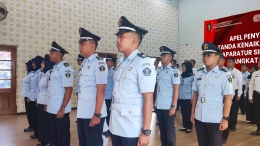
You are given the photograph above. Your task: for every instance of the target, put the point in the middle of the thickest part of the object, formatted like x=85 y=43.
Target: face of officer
x=79 y=61
x=230 y=63
x=42 y=65
x=166 y=58
x=127 y=42
x=87 y=48
x=244 y=68
x=210 y=59
x=173 y=63
x=56 y=56
x=192 y=63
x=110 y=63
x=156 y=63
x=184 y=68
x=221 y=62
x=33 y=65
x=252 y=69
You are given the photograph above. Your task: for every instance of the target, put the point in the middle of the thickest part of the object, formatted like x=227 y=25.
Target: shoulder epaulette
x=51 y=71
x=99 y=58
x=173 y=67
x=222 y=69
x=141 y=55
x=201 y=69
x=66 y=64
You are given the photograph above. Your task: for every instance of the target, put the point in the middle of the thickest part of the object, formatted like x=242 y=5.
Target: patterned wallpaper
x=190 y=52
x=33 y=24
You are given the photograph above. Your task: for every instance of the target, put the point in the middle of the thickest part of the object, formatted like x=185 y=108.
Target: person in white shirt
x=193 y=62
x=254 y=97
x=250 y=106
x=242 y=103
x=237 y=87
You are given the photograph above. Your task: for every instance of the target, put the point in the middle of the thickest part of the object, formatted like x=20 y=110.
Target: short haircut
x=157 y=60
x=245 y=65
x=174 y=61
x=192 y=60
x=233 y=59
x=178 y=65
x=93 y=42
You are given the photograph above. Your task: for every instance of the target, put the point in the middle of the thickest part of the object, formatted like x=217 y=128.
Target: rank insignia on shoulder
x=67 y=75
x=176 y=75
x=230 y=80
x=51 y=71
x=173 y=67
x=222 y=69
x=102 y=68
x=141 y=55
x=99 y=58
x=147 y=71
x=200 y=69
x=66 y=64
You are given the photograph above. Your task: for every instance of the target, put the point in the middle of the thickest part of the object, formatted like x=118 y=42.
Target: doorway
x=7 y=80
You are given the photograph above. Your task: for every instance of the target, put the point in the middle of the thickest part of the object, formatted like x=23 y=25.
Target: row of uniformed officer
x=211 y=86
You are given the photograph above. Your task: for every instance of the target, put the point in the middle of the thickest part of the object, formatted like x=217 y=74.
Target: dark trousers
x=34 y=117
x=108 y=104
x=233 y=113
x=90 y=136
x=167 y=128
x=225 y=134
x=208 y=134
x=242 y=102
x=256 y=101
x=123 y=141
x=59 y=129
x=186 y=113
x=250 y=110
x=44 y=134
x=28 y=112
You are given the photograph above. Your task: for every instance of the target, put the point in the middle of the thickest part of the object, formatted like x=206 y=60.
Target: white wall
x=192 y=14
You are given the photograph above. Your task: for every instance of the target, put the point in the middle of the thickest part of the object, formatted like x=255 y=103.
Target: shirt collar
x=130 y=57
x=90 y=58
x=59 y=64
x=215 y=69
x=111 y=68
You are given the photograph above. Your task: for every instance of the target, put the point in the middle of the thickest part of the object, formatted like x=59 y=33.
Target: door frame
x=13 y=49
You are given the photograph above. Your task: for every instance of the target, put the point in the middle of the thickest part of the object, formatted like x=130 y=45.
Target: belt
x=134 y=101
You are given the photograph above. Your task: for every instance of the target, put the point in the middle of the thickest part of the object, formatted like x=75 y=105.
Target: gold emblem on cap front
x=79 y=31
x=119 y=22
x=206 y=46
x=161 y=49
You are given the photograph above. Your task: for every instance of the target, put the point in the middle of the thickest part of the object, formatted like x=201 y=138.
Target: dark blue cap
x=166 y=50
x=80 y=57
x=209 y=47
x=86 y=35
x=109 y=57
x=29 y=62
x=56 y=47
x=127 y=26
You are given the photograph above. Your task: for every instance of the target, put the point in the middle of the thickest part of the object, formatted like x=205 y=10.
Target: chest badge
x=233 y=76
x=147 y=71
x=230 y=80
x=129 y=68
x=88 y=67
x=216 y=76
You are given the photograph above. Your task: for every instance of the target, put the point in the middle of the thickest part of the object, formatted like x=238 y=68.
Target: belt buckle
x=203 y=100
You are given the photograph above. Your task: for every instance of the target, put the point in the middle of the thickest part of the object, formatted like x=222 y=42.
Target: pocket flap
x=216 y=107
x=130 y=111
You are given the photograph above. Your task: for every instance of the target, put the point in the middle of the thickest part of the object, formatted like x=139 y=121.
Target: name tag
x=203 y=100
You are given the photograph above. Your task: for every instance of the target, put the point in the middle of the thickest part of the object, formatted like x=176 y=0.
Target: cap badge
x=206 y=46
x=161 y=49
x=119 y=22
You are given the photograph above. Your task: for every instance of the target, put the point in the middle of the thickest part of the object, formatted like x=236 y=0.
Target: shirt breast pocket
x=215 y=87
x=127 y=81
x=87 y=77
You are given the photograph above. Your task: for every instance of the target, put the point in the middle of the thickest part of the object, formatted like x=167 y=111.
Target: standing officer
x=168 y=83
x=59 y=94
x=110 y=60
x=79 y=61
x=193 y=62
x=237 y=87
x=24 y=93
x=242 y=102
x=210 y=85
x=254 y=97
x=134 y=79
x=91 y=110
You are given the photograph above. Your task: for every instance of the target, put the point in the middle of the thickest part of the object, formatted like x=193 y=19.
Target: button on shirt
x=244 y=76
x=43 y=88
x=212 y=86
x=110 y=83
x=61 y=77
x=237 y=81
x=134 y=75
x=254 y=84
x=26 y=84
x=93 y=71
x=34 y=82
x=186 y=91
x=165 y=79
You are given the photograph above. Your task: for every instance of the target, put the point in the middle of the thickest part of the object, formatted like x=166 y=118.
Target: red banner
x=237 y=36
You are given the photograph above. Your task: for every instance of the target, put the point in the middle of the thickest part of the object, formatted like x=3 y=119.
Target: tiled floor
x=11 y=133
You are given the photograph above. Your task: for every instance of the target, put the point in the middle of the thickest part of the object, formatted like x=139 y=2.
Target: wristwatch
x=98 y=115
x=146 y=132
x=226 y=118
x=173 y=106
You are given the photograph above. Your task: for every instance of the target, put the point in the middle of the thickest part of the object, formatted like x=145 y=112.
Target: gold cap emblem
x=79 y=31
x=119 y=22
x=205 y=46
x=161 y=49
